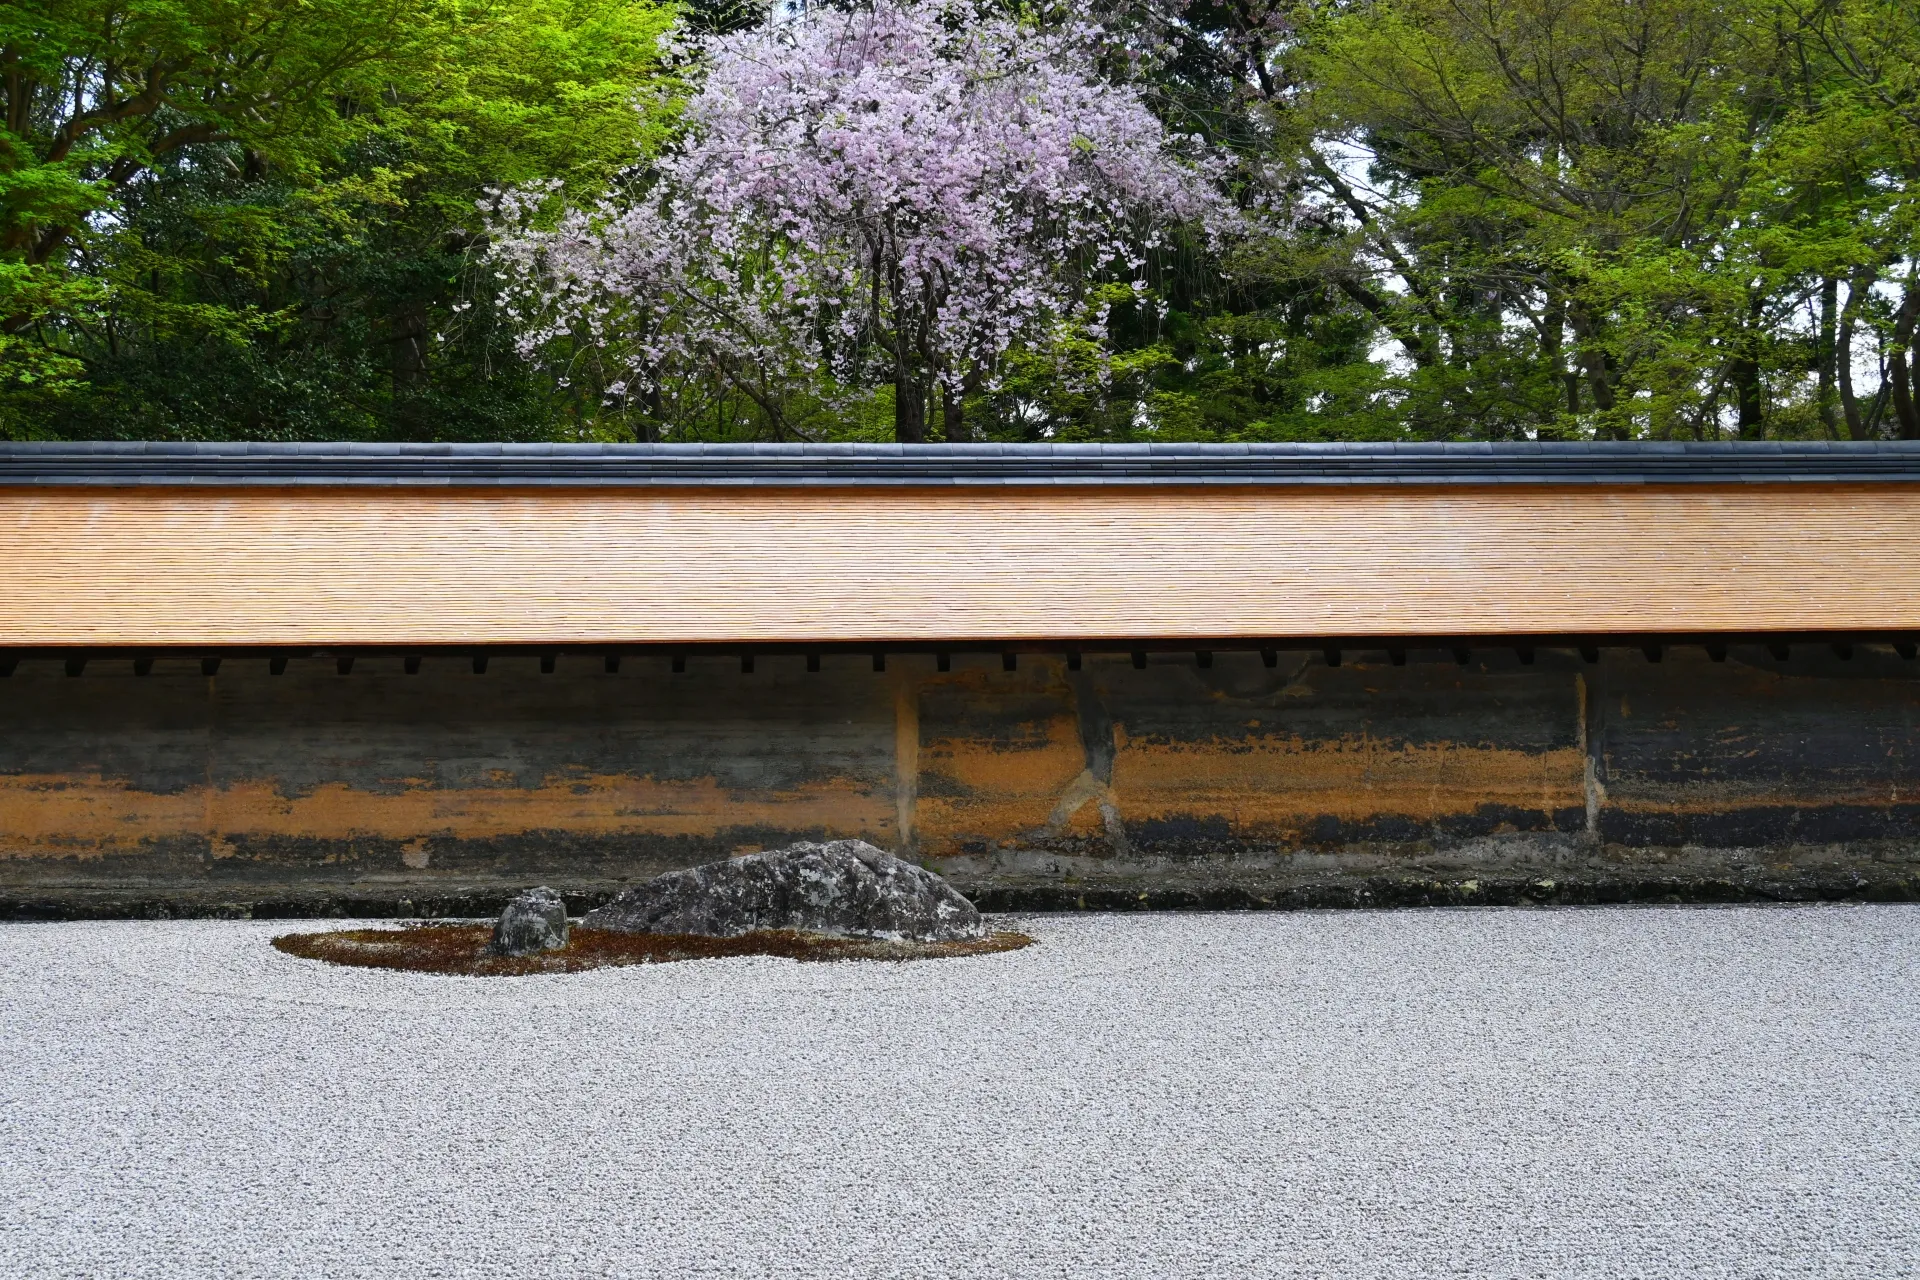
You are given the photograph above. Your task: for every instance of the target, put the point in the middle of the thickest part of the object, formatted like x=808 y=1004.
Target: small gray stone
x=534 y=921
x=847 y=889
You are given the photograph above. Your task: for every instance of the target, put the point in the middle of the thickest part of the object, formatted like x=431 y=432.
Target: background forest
x=1386 y=219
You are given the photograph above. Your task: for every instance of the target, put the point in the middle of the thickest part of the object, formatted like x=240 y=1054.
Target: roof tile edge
x=197 y=463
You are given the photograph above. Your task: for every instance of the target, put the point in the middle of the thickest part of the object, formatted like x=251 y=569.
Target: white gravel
x=1629 y=1092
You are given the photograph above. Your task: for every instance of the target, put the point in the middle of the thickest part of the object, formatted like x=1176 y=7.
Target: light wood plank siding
x=398 y=566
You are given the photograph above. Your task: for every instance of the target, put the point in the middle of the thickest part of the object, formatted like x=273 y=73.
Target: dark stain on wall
x=1233 y=784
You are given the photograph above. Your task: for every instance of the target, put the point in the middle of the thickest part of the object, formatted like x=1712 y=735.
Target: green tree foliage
x=1623 y=220
x=1544 y=219
x=258 y=217
x=1490 y=219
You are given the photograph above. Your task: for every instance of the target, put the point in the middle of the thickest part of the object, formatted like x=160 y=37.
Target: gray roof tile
x=1675 y=462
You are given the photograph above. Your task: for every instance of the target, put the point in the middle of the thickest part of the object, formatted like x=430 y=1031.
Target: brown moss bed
x=461 y=949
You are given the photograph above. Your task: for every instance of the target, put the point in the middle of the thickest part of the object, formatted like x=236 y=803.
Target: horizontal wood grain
x=460 y=566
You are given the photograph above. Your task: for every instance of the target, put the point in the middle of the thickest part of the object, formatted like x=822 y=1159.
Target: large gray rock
x=847 y=888
x=534 y=921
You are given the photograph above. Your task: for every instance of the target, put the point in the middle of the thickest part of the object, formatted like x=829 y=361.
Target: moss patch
x=461 y=949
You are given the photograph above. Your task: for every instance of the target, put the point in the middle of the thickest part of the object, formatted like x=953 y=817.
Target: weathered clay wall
x=1231 y=784
x=316 y=565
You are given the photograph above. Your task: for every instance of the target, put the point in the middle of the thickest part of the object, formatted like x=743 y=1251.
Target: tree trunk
x=909 y=406
x=1903 y=408
x=1825 y=354
x=656 y=412
x=409 y=339
x=1744 y=374
x=1592 y=361
x=953 y=415
x=1857 y=290
x=1899 y=361
x=1553 y=326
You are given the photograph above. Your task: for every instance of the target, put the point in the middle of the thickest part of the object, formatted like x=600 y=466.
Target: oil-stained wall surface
x=1232 y=783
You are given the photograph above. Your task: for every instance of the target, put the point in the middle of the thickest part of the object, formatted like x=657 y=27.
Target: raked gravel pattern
x=1632 y=1092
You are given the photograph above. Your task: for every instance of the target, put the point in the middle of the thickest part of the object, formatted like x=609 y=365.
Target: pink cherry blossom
x=896 y=194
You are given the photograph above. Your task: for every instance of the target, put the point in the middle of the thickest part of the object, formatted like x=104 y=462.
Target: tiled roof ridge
x=1368 y=463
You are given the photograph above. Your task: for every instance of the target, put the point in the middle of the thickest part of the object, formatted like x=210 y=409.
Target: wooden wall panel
x=176 y=566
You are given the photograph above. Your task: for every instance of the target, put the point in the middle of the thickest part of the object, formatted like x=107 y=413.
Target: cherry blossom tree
x=894 y=194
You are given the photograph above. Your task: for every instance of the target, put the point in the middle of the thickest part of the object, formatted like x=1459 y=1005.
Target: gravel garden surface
x=1583 y=1092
